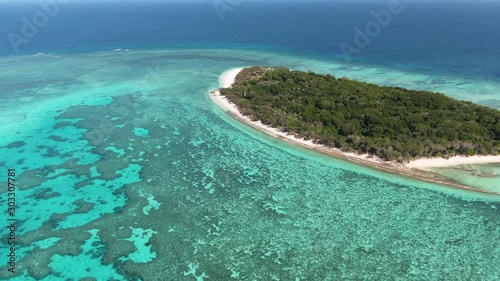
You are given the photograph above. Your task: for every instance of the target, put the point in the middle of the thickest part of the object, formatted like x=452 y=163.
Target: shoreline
x=452 y=161
x=413 y=169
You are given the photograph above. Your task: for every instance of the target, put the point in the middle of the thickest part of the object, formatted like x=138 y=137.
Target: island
x=387 y=128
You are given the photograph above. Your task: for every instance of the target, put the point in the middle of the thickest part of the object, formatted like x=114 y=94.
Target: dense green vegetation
x=390 y=122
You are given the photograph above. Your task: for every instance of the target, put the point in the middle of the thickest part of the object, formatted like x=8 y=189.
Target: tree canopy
x=390 y=122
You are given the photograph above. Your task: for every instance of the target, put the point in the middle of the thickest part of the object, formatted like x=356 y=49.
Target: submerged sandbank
x=411 y=169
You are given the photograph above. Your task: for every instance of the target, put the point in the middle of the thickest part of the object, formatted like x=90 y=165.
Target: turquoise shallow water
x=486 y=177
x=127 y=171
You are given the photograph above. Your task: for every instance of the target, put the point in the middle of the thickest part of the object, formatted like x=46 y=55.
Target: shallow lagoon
x=127 y=171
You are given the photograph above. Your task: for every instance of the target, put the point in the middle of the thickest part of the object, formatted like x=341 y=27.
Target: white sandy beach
x=227 y=79
x=453 y=161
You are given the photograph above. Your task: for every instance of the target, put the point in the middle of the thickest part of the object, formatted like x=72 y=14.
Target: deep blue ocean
x=459 y=37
